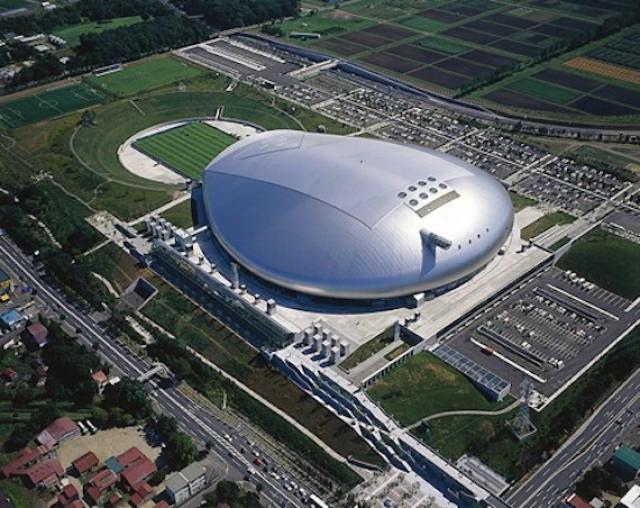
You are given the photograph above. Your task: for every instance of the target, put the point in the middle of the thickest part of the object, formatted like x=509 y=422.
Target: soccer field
x=186 y=149
x=147 y=75
x=49 y=104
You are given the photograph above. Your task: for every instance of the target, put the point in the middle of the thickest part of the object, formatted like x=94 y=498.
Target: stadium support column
x=236 y=276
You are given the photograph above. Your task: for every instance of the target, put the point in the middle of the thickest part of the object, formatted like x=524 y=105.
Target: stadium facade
x=353 y=218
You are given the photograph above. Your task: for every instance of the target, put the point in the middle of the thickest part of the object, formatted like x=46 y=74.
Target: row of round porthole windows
x=423 y=195
x=470 y=242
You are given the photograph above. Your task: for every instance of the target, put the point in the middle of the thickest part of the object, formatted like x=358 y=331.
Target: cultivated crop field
x=451 y=46
x=186 y=149
x=599 y=80
x=146 y=75
x=48 y=104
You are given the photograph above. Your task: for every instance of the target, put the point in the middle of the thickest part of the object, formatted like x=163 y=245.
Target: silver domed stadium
x=353 y=218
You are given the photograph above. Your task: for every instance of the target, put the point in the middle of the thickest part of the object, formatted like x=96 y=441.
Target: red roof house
x=85 y=463
x=114 y=499
x=93 y=494
x=27 y=457
x=77 y=504
x=138 y=472
x=45 y=473
x=141 y=494
x=60 y=430
x=161 y=504
x=38 y=334
x=103 y=480
x=578 y=502
x=129 y=456
x=9 y=374
x=68 y=495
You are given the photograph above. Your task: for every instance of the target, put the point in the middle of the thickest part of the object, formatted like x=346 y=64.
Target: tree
x=88 y=117
x=180 y=450
x=165 y=425
x=100 y=417
x=130 y=396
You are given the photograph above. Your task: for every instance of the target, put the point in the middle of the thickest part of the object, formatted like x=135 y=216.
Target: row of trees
x=184 y=365
x=224 y=14
x=231 y=494
x=117 y=45
x=78 y=12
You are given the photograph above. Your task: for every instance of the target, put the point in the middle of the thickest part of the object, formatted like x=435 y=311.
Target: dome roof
x=350 y=217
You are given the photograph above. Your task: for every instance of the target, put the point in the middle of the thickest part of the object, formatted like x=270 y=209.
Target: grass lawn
x=326 y=22
x=392 y=355
x=607 y=260
x=425 y=385
x=492 y=442
x=545 y=91
x=545 y=222
x=560 y=243
x=20 y=496
x=97 y=146
x=368 y=349
x=520 y=202
x=187 y=149
x=453 y=436
x=180 y=215
x=49 y=104
x=72 y=34
x=146 y=75
x=232 y=354
x=442 y=45
x=422 y=24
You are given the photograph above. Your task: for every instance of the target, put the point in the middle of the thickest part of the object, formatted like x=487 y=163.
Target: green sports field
x=148 y=75
x=187 y=149
x=49 y=104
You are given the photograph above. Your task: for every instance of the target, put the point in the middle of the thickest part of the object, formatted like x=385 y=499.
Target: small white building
x=632 y=498
x=186 y=483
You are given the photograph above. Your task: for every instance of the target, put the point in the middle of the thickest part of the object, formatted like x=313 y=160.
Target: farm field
x=545 y=222
x=186 y=149
x=450 y=46
x=425 y=385
x=606 y=260
x=48 y=104
x=597 y=81
x=72 y=34
x=146 y=75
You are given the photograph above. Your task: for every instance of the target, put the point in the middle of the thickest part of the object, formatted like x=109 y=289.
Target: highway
x=193 y=419
x=591 y=444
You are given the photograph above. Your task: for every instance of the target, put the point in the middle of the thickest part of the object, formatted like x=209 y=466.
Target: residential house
x=37 y=335
x=186 y=483
x=87 y=462
x=60 y=430
x=43 y=474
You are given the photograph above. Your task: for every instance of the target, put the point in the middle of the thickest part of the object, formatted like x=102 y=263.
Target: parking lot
x=572 y=199
x=404 y=117
x=547 y=329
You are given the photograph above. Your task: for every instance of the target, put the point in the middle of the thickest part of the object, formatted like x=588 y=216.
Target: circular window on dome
x=412 y=188
x=422 y=183
x=424 y=195
x=413 y=202
x=433 y=190
x=402 y=195
x=442 y=186
x=431 y=179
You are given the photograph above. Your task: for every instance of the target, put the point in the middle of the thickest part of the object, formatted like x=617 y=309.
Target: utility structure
x=521 y=425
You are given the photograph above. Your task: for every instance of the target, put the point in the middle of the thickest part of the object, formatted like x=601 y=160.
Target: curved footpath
x=465 y=412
